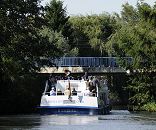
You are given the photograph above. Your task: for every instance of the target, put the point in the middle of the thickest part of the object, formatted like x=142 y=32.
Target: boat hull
x=68 y=110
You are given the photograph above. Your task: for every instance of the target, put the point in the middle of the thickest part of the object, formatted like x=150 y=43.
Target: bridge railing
x=89 y=61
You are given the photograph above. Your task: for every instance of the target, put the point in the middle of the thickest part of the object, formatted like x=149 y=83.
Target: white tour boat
x=73 y=97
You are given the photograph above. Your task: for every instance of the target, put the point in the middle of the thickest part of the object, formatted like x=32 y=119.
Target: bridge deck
x=90 y=64
x=90 y=61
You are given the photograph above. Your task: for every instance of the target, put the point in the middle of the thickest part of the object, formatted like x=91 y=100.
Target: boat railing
x=46 y=93
x=78 y=93
x=46 y=87
x=97 y=91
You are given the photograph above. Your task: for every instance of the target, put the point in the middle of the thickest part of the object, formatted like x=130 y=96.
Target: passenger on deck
x=74 y=92
x=52 y=92
x=94 y=92
x=85 y=76
x=87 y=92
x=87 y=83
x=93 y=86
x=51 y=83
x=67 y=92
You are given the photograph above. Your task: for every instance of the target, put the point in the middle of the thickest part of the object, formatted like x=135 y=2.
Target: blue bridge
x=90 y=61
x=92 y=64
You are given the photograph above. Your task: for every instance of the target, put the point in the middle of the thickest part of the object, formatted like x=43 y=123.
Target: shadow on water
x=116 y=120
x=19 y=122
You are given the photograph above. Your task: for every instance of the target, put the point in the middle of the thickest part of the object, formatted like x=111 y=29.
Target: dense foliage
x=58 y=24
x=92 y=33
x=24 y=48
x=31 y=34
x=135 y=37
x=21 y=45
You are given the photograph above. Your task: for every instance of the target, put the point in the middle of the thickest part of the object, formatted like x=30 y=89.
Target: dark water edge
x=116 y=120
x=119 y=107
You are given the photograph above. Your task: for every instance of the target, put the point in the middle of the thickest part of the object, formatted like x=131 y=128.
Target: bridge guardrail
x=89 y=61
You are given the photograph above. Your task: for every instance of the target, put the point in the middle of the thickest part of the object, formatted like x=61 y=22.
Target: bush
x=151 y=107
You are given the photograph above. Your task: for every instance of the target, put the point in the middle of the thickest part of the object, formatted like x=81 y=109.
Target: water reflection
x=67 y=120
x=117 y=120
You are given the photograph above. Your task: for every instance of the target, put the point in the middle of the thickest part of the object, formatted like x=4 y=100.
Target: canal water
x=117 y=120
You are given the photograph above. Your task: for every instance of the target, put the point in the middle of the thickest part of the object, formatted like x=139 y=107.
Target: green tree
x=136 y=38
x=21 y=44
x=58 y=23
x=92 y=33
x=25 y=46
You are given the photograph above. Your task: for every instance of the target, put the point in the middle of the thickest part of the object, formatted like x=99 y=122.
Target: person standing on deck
x=85 y=76
x=68 y=90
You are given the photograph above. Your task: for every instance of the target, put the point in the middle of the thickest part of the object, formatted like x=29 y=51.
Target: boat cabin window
x=59 y=92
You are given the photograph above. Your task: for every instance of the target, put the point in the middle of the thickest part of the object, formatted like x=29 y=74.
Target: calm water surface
x=117 y=120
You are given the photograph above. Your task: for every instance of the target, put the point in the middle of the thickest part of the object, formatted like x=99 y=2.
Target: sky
x=87 y=7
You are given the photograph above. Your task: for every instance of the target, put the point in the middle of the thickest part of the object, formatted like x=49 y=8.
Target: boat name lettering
x=56 y=101
x=65 y=101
